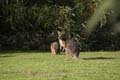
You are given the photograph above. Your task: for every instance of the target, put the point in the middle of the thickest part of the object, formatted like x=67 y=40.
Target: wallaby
x=70 y=45
x=55 y=48
x=61 y=41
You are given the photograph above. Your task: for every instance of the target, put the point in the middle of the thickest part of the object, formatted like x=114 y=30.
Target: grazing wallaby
x=55 y=48
x=70 y=45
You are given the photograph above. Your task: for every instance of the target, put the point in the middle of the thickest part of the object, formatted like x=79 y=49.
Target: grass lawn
x=43 y=66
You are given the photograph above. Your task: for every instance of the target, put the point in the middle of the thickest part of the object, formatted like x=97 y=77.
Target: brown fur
x=71 y=47
x=55 y=48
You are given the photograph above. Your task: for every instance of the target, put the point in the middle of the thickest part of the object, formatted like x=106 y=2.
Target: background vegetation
x=32 y=24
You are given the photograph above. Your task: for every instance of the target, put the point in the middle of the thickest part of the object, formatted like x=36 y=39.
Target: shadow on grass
x=98 y=58
x=5 y=56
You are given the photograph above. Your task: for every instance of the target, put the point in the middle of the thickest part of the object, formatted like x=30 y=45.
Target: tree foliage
x=32 y=24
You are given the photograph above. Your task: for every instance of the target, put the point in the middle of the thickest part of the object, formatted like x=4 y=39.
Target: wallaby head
x=60 y=35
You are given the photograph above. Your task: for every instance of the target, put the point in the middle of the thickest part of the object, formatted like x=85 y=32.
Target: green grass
x=43 y=66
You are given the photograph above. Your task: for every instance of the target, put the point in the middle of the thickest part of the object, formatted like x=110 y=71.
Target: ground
x=44 y=66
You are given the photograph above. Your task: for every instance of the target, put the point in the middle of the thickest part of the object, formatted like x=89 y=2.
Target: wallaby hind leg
x=52 y=50
x=67 y=54
x=74 y=57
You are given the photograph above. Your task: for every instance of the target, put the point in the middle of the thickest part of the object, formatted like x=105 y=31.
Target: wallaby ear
x=58 y=32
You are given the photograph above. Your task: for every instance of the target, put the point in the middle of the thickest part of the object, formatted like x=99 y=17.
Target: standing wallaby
x=70 y=45
x=61 y=41
x=55 y=48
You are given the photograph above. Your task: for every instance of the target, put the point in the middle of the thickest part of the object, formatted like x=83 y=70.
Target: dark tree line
x=32 y=24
